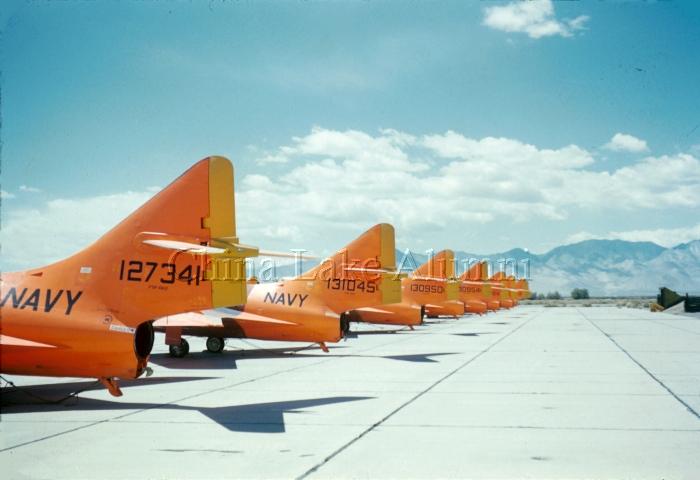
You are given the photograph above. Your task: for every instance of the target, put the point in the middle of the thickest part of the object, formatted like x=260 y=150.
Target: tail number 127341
x=166 y=273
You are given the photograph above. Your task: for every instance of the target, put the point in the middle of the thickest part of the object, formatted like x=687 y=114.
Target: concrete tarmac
x=530 y=392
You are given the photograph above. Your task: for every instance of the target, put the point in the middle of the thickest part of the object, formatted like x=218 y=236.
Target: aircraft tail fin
x=668 y=298
x=441 y=268
x=441 y=265
x=477 y=272
x=499 y=277
x=177 y=252
x=362 y=274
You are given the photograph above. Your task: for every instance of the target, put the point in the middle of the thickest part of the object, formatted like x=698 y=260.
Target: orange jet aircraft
x=442 y=266
x=523 y=287
x=309 y=308
x=499 y=284
x=474 y=292
x=517 y=289
x=91 y=314
x=478 y=276
x=429 y=290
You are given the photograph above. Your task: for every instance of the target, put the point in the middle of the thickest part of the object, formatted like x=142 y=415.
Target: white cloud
x=4 y=195
x=536 y=18
x=666 y=237
x=437 y=187
x=28 y=189
x=556 y=181
x=343 y=181
x=33 y=237
x=622 y=142
x=506 y=151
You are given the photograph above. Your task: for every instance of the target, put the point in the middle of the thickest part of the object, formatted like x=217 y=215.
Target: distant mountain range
x=604 y=267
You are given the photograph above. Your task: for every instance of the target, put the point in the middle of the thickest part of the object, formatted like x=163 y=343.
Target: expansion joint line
x=654 y=377
x=196 y=395
x=411 y=400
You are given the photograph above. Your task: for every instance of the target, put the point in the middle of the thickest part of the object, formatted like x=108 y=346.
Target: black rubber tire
x=179 y=351
x=215 y=344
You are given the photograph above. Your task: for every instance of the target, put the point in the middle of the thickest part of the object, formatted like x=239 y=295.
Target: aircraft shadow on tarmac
x=228 y=359
x=197 y=360
x=472 y=334
x=435 y=321
x=254 y=418
x=61 y=393
x=419 y=358
x=205 y=360
x=359 y=333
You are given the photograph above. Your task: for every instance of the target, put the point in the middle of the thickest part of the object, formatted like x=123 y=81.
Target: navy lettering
x=15 y=301
x=32 y=300
x=71 y=300
x=302 y=299
x=51 y=302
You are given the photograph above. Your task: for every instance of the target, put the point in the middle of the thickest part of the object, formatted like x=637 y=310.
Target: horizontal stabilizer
x=271 y=253
x=367 y=270
x=185 y=247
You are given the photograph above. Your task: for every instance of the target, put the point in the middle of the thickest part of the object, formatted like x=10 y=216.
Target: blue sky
x=104 y=101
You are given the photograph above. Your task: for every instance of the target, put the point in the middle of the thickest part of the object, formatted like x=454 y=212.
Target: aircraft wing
x=213 y=318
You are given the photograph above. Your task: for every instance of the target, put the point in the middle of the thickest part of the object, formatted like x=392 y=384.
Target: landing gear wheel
x=215 y=344
x=179 y=351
